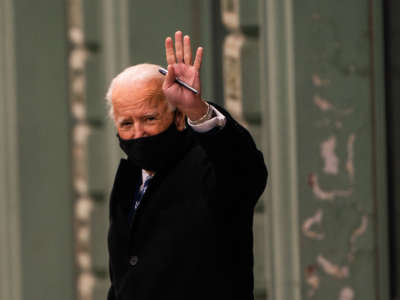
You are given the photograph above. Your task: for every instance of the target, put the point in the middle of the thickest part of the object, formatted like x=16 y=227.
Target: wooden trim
x=378 y=149
x=10 y=262
x=280 y=144
x=116 y=57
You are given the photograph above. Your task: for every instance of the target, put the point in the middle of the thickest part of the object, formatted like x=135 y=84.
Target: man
x=181 y=208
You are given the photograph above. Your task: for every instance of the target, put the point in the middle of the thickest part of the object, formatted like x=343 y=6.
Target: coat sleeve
x=238 y=164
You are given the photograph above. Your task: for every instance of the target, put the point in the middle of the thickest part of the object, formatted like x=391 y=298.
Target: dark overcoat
x=191 y=237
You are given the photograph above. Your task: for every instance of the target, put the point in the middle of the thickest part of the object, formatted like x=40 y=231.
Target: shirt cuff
x=218 y=120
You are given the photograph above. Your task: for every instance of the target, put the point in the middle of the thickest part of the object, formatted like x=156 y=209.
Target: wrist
x=200 y=113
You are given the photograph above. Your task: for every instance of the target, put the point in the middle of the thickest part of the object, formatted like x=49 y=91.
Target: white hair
x=138 y=73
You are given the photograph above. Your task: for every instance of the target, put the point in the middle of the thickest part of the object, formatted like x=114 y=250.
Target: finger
x=170 y=78
x=198 y=59
x=187 y=50
x=178 y=47
x=169 y=51
x=196 y=82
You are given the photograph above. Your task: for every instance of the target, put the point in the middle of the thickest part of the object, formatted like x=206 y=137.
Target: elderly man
x=181 y=208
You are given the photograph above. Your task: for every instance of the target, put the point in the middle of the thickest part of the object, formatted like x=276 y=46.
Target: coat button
x=133 y=260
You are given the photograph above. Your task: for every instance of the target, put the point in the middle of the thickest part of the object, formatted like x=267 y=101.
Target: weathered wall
x=37 y=127
x=340 y=101
x=99 y=48
x=325 y=134
x=241 y=72
x=306 y=77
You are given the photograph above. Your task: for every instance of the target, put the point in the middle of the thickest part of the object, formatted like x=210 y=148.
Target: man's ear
x=179 y=120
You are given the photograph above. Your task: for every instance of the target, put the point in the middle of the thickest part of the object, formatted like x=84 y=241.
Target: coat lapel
x=126 y=181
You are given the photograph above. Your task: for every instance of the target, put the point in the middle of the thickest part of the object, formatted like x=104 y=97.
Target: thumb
x=170 y=79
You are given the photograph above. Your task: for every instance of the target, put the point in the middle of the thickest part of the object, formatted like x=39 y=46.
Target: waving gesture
x=180 y=66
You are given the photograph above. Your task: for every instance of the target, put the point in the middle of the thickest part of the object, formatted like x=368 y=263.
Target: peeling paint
x=319 y=82
x=330 y=158
x=332 y=269
x=346 y=293
x=83 y=208
x=326 y=195
x=76 y=35
x=350 y=156
x=323 y=104
x=84 y=260
x=312 y=280
x=86 y=282
x=316 y=219
x=359 y=231
x=78 y=58
x=84 y=234
x=81 y=132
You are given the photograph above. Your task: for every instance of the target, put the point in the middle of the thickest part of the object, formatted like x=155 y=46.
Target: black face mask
x=155 y=152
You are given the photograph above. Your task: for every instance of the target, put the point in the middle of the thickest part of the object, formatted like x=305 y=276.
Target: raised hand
x=180 y=65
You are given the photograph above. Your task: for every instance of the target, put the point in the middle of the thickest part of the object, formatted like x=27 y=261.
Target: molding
x=115 y=36
x=280 y=145
x=378 y=149
x=10 y=258
x=116 y=57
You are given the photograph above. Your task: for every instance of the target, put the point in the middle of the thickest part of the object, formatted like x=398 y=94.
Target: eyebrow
x=151 y=114
x=129 y=119
x=123 y=119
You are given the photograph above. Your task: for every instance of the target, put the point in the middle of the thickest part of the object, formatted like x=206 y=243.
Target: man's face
x=139 y=112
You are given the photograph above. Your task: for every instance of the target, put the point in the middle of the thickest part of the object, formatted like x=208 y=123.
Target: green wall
x=150 y=22
x=322 y=233
x=324 y=133
x=44 y=150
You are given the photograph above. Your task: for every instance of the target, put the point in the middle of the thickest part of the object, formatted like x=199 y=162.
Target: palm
x=176 y=94
x=180 y=66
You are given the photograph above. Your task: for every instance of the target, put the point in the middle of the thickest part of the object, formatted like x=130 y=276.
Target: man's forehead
x=142 y=106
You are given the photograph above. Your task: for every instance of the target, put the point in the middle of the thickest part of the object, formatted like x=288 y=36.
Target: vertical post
x=10 y=261
x=279 y=134
x=392 y=45
x=241 y=97
x=116 y=56
x=102 y=51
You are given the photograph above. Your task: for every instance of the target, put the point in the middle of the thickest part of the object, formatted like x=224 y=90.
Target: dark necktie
x=138 y=197
x=142 y=190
